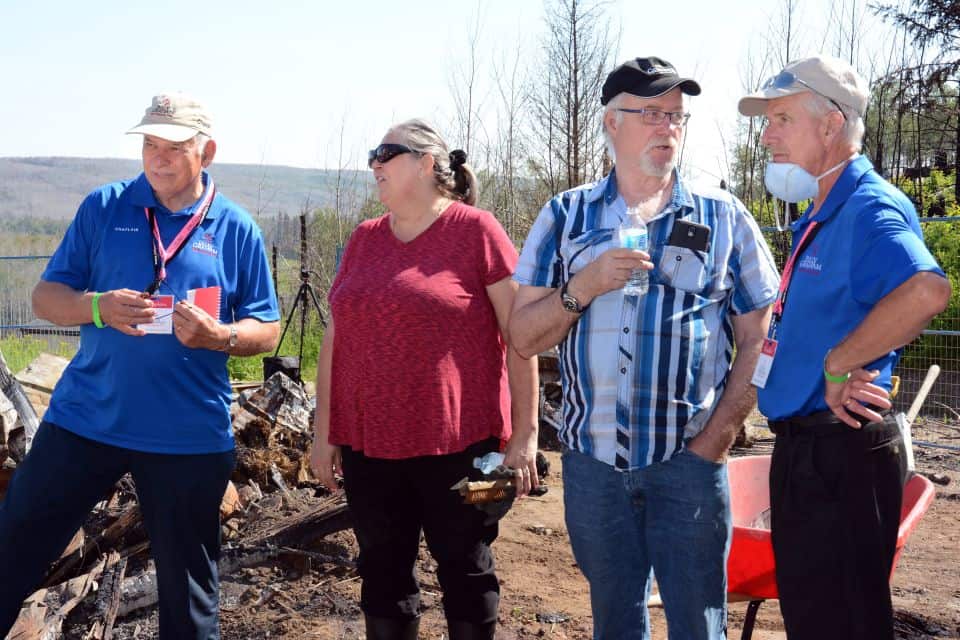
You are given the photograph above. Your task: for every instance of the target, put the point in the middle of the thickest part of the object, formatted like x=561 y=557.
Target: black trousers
x=65 y=475
x=835 y=496
x=391 y=502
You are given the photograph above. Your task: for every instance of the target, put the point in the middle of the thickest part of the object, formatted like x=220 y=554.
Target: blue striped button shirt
x=641 y=375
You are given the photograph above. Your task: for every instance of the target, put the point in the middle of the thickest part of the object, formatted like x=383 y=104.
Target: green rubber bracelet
x=829 y=377
x=95 y=305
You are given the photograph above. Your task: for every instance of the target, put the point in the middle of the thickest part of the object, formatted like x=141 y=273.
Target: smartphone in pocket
x=690 y=235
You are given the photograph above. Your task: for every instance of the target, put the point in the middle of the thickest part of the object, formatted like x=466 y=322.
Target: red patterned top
x=419 y=364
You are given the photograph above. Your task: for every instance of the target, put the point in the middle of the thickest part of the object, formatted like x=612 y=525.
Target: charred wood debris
x=274 y=511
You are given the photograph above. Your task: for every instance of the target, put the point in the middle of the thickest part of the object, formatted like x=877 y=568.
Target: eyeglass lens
x=655 y=116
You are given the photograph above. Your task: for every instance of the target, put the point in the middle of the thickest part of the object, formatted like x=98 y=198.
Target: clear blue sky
x=283 y=77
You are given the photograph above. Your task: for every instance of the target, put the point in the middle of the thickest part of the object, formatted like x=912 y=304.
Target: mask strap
x=834 y=168
x=776 y=216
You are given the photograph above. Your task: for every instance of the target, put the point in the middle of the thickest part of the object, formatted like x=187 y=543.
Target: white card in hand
x=163 y=320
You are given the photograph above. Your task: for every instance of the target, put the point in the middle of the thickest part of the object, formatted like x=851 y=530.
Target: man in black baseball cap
x=654 y=396
x=646 y=78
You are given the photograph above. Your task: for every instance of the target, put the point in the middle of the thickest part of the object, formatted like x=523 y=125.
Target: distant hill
x=54 y=187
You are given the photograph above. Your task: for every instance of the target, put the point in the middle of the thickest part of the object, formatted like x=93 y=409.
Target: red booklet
x=207 y=298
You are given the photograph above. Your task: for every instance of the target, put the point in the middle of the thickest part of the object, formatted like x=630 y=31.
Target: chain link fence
x=939 y=344
x=18 y=275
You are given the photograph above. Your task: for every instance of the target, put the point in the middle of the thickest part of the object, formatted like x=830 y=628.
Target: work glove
x=496 y=509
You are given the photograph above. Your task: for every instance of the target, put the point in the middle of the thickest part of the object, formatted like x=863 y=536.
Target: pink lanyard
x=788 y=271
x=162 y=255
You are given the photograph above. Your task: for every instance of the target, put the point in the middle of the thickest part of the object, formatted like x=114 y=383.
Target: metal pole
x=304 y=280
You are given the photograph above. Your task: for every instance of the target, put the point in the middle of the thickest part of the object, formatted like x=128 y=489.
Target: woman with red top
x=416 y=379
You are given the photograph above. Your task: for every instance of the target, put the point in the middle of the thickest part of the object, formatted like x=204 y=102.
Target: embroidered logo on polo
x=205 y=245
x=127 y=229
x=810 y=263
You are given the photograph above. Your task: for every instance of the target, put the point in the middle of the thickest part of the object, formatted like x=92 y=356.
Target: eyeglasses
x=787 y=79
x=387 y=152
x=655 y=117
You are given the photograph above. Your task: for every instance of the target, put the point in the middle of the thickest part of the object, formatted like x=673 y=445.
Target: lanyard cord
x=164 y=255
x=812 y=229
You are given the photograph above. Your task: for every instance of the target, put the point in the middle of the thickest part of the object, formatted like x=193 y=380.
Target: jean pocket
x=683 y=268
x=700 y=459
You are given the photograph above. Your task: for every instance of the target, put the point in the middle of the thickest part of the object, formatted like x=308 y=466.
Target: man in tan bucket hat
x=859 y=285
x=166 y=278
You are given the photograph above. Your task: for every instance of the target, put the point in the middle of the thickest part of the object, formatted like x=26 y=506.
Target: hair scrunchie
x=458 y=157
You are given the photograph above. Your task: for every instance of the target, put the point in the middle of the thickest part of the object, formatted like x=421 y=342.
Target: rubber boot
x=392 y=628
x=460 y=630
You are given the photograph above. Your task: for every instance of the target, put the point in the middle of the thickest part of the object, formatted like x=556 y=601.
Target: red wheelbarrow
x=750 y=567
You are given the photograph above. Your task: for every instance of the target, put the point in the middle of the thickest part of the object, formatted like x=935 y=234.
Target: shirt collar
x=141 y=195
x=842 y=189
x=606 y=187
x=680 y=198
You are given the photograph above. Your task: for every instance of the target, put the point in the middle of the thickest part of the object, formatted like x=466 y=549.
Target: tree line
x=528 y=114
x=532 y=128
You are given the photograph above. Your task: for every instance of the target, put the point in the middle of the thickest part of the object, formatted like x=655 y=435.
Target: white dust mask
x=793 y=183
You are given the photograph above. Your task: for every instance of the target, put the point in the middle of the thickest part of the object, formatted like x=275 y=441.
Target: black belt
x=820 y=423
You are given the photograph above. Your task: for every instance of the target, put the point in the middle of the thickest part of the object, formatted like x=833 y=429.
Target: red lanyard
x=162 y=255
x=806 y=239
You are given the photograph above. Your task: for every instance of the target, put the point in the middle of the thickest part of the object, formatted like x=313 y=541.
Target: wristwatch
x=233 y=339
x=570 y=303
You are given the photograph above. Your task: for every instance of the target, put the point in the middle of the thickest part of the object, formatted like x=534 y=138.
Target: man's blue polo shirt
x=151 y=393
x=869 y=243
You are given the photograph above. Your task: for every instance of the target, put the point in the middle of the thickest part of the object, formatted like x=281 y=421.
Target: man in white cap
x=652 y=395
x=858 y=286
x=167 y=279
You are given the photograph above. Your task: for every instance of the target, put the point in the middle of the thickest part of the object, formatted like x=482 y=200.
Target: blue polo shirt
x=151 y=393
x=869 y=243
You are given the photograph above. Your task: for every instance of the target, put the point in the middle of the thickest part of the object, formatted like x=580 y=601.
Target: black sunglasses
x=387 y=152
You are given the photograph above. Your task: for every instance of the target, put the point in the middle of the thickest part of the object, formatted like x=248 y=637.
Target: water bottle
x=633 y=235
x=489 y=462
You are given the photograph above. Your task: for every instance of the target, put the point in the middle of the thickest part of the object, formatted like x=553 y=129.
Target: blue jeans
x=672 y=517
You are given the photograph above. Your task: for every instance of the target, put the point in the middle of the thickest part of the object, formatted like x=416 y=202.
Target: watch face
x=570 y=303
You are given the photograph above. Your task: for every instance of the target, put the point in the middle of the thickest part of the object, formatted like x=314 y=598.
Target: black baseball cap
x=646 y=78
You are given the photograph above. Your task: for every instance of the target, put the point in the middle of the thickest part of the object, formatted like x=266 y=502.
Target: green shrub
x=251 y=367
x=21 y=351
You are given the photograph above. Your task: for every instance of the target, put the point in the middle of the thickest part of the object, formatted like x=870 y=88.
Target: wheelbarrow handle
x=928 y=381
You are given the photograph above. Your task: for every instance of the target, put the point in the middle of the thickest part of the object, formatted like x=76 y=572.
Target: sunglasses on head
x=787 y=79
x=387 y=152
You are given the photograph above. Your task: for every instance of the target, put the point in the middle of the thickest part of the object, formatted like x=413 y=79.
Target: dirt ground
x=544 y=594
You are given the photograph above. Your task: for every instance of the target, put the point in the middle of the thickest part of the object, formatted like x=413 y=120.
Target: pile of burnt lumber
x=273 y=509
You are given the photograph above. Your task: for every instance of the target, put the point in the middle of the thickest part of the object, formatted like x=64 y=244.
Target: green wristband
x=829 y=377
x=95 y=305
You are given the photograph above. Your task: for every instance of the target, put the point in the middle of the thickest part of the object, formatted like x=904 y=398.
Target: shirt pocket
x=683 y=268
